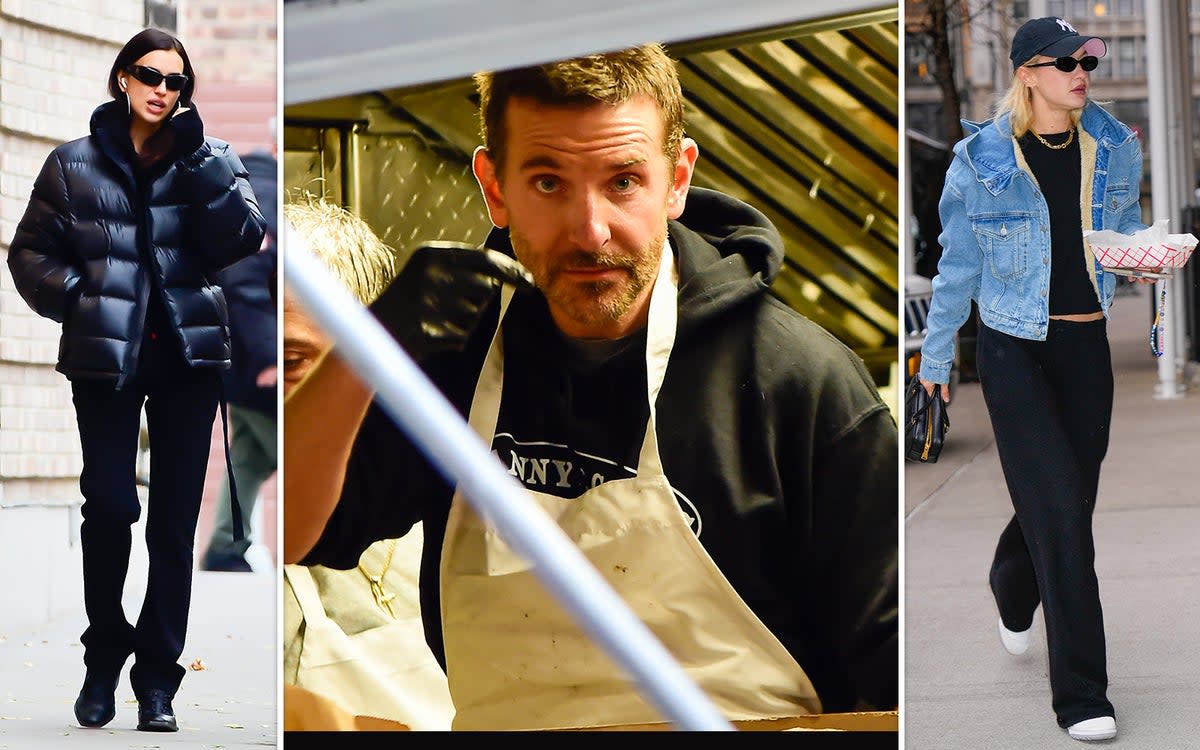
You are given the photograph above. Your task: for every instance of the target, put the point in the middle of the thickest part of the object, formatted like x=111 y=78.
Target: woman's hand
x=929 y=384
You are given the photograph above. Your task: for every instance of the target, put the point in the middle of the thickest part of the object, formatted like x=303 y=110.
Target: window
x=1133 y=112
x=925 y=118
x=162 y=14
x=1056 y=8
x=919 y=58
x=1127 y=61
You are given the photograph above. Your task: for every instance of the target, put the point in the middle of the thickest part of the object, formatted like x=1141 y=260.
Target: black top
x=770 y=430
x=157 y=324
x=1058 y=173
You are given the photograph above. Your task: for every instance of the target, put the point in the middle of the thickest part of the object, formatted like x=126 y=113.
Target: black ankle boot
x=155 y=713
x=97 y=703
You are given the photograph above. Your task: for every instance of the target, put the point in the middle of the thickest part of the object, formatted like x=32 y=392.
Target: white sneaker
x=1014 y=643
x=1099 y=728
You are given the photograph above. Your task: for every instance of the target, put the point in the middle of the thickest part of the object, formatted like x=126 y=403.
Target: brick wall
x=54 y=56
x=233 y=47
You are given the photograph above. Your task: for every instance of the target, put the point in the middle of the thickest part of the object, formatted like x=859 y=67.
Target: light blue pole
x=448 y=441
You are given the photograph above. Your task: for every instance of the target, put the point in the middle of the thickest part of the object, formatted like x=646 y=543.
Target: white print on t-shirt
x=558 y=470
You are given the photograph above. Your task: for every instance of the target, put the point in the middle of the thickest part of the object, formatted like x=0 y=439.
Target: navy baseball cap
x=1052 y=37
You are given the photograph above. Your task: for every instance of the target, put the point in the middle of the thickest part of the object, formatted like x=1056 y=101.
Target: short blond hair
x=607 y=78
x=344 y=243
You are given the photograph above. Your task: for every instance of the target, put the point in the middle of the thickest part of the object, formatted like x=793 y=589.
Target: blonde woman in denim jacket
x=1020 y=193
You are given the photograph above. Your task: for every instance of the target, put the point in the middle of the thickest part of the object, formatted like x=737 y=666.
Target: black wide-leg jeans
x=180 y=403
x=1051 y=408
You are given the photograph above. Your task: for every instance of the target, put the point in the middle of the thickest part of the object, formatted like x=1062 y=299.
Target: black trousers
x=1051 y=408
x=180 y=404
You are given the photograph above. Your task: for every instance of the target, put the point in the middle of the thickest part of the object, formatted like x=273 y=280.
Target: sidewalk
x=230 y=703
x=962 y=690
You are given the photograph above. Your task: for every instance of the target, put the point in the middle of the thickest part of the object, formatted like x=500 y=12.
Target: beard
x=593 y=302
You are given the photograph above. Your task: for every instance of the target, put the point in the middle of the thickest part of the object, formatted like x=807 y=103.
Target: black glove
x=436 y=300
x=185 y=123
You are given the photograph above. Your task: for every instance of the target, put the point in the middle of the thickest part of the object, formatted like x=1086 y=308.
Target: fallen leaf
x=235 y=726
x=197 y=666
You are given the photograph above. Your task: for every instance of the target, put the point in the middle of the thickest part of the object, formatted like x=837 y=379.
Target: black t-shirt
x=1058 y=173
x=591 y=413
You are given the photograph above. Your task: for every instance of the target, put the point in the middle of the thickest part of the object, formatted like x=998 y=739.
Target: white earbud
x=121 y=82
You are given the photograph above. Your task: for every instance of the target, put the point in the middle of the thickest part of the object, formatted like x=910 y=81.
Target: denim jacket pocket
x=1117 y=198
x=1005 y=241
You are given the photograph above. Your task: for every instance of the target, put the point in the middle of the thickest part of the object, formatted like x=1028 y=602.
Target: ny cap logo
x=1065 y=26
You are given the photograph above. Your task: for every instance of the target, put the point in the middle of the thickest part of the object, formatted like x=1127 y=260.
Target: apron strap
x=305 y=589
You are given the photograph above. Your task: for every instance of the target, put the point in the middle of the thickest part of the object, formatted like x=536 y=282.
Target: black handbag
x=926 y=422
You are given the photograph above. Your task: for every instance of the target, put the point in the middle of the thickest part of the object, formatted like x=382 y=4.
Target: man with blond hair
x=725 y=463
x=355 y=636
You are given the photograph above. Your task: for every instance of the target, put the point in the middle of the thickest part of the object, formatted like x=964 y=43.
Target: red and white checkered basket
x=1149 y=248
x=1147 y=256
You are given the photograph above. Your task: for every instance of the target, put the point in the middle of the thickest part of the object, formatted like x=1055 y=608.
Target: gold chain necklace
x=1051 y=146
x=382 y=598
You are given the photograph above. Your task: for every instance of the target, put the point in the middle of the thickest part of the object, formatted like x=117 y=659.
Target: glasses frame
x=1067 y=63
x=153 y=76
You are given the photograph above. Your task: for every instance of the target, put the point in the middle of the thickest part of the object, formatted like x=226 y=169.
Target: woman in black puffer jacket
x=122 y=235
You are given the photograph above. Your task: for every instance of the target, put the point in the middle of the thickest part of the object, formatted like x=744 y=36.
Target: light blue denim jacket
x=996 y=231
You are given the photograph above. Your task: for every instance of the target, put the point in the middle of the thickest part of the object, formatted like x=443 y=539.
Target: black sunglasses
x=152 y=77
x=1067 y=64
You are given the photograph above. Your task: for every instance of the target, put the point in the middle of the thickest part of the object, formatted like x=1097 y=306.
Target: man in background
x=355 y=636
x=251 y=382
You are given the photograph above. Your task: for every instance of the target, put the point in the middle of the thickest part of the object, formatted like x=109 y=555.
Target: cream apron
x=517 y=660
x=385 y=671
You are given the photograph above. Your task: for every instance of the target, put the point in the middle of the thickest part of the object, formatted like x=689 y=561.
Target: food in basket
x=1153 y=248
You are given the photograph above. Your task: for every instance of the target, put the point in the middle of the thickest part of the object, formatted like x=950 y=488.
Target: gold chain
x=1051 y=146
x=382 y=598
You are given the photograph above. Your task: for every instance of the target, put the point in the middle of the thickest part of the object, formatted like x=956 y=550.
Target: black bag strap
x=915 y=389
x=925 y=400
x=235 y=507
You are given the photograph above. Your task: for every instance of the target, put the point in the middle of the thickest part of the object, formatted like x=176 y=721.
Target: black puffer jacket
x=98 y=225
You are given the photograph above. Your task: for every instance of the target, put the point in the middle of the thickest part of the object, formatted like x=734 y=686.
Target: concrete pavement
x=962 y=690
x=230 y=703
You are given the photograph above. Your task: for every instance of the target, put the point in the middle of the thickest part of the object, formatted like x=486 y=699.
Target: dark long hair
x=147 y=41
